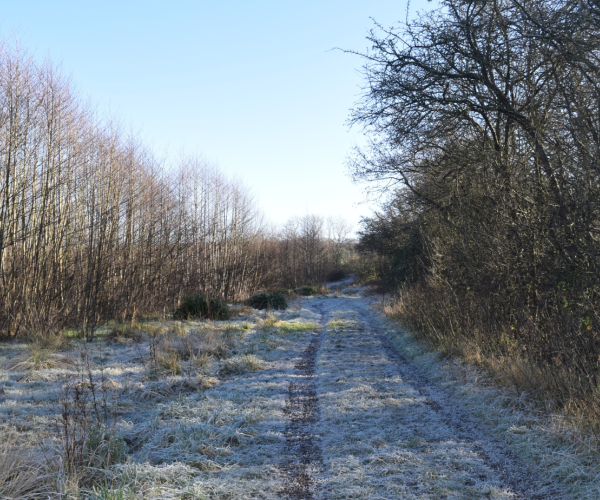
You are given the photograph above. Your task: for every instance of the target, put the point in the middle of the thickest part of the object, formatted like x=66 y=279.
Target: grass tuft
x=337 y=324
x=287 y=327
x=22 y=475
x=38 y=357
x=242 y=364
x=127 y=332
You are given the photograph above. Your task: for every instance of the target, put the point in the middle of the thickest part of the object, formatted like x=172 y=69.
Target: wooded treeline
x=484 y=116
x=94 y=227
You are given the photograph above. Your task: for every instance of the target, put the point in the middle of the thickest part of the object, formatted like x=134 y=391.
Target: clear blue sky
x=254 y=86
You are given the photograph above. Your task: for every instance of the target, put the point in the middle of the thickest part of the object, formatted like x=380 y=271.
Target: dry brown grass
x=22 y=474
x=240 y=310
x=242 y=364
x=462 y=329
x=141 y=384
x=38 y=357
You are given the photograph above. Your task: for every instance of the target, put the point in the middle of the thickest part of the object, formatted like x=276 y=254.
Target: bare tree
x=483 y=121
x=93 y=226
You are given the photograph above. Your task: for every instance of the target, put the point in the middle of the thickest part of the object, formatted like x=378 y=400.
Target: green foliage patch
x=268 y=300
x=200 y=306
x=307 y=290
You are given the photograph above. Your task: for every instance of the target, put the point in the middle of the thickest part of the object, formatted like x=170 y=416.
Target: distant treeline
x=94 y=227
x=485 y=117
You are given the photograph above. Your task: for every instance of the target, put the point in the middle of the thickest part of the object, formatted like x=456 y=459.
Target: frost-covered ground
x=388 y=442
x=382 y=437
x=325 y=401
x=554 y=447
x=202 y=417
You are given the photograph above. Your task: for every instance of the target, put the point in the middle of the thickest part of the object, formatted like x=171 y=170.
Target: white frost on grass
x=206 y=420
x=379 y=439
x=210 y=426
x=226 y=442
x=562 y=453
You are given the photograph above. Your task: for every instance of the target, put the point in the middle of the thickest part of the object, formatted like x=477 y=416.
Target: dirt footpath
x=364 y=423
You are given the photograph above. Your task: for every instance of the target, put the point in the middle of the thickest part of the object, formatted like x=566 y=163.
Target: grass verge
x=510 y=395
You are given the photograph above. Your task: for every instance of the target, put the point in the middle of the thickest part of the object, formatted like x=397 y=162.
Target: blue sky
x=253 y=86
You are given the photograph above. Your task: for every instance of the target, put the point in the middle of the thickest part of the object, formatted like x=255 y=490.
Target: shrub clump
x=200 y=306
x=307 y=290
x=265 y=300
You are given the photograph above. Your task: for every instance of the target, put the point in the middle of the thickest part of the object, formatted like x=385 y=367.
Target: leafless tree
x=483 y=118
x=93 y=226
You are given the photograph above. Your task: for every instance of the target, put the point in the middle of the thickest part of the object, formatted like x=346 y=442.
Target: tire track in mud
x=510 y=469
x=302 y=446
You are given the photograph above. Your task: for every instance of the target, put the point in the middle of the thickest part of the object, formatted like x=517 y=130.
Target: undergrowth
x=268 y=300
x=308 y=291
x=504 y=346
x=201 y=306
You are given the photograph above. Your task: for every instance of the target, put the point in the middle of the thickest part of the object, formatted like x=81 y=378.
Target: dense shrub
x=266 y=300
x=200 y=306
x=309 y=290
